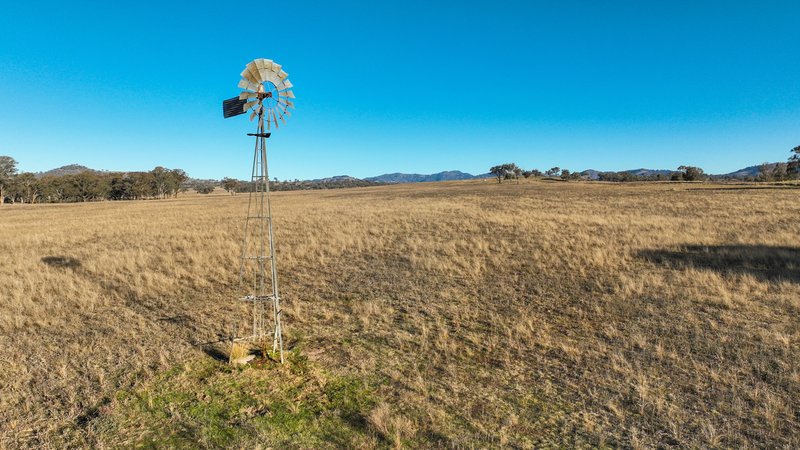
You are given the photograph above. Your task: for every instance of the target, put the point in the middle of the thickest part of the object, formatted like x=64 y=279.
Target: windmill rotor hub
x=266 y=93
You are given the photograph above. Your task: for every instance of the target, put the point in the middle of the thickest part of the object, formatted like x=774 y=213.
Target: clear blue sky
x=409 y=86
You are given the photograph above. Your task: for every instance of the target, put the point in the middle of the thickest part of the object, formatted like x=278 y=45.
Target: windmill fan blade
x=275 y=118
x=272 y=78
x=286 y=84
x=257 y=74
x=246 y=95
x=276 y=67
x=253 y=71
x=252 y=116
x=263 y=73
x=288 y=94
x=251 y=66
x=282 y=102
x=247 y=75
x=283 y=110
x=282 y=75
x=283 y=120
x=268 y=120
x=268 y=64
x=250 y=104
x=259 y=63
x=246 y=84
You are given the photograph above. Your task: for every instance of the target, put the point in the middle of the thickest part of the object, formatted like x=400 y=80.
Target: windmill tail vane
x=267 y=95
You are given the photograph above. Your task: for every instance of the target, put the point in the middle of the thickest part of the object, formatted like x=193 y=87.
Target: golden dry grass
x=481 y=315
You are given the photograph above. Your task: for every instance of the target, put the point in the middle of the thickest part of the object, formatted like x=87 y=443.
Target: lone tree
x=507 y=170
x=794 y=162
x=8 y=168
x=230 y=185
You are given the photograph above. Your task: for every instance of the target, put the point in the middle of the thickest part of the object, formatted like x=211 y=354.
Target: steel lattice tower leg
x=258 y=252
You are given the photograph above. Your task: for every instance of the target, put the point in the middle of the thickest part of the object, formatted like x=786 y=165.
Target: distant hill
x=591 y=174
x=72 y=169
x=650 y=172
x=417 y=178
x=335 y=179
x=748 y=172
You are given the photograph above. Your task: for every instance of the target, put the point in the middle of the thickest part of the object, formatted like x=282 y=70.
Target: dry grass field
x=457 y=315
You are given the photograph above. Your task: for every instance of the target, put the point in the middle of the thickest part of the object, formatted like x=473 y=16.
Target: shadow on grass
x=154 y=308
x=216 y=352
x=66 y=262
x=761 y=261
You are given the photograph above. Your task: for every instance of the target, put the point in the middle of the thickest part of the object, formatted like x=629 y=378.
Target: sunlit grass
x=530 y=315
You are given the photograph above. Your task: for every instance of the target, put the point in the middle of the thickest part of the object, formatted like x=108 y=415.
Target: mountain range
x=450 y=175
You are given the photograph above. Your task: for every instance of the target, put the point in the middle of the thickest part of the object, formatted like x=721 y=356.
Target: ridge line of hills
x=450 y=175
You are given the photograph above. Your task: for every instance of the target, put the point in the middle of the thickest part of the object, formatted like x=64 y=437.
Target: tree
x=553 y=172
x=26 y=187
x=121 y=187
x=517 y=173
x=691 y=173
x=565 y=174
x=780 y=172
x=765 y=172
x=499 y=172
x=141 y=185
x=506 y=171
x=793 y=167
x=205 y=188
x=86 y=186
x=178 y=178
x=230 y=185
x=8 y=168
x=52 y=188
x=162 y=181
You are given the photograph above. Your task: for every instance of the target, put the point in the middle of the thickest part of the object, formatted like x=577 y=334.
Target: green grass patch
x=208 y=404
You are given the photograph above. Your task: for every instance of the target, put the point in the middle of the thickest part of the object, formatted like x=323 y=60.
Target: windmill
x=267 y=96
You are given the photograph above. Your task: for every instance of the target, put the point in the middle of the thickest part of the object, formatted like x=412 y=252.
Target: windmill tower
x=267 y=96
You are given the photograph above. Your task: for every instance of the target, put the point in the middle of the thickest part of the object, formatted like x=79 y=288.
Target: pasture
x=458 y=314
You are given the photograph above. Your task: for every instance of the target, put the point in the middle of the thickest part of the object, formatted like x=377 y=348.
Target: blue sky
x=407 y=86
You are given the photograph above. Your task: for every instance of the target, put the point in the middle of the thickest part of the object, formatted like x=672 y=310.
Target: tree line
x=789 y=170
x=87 y=186
x=234 y=186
